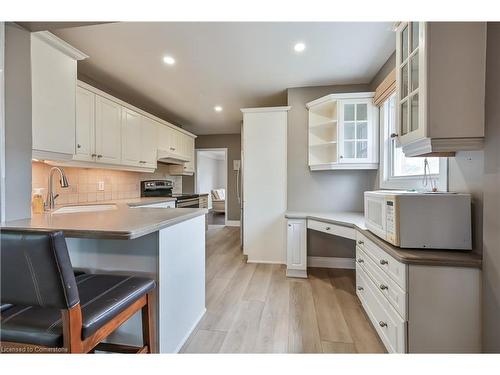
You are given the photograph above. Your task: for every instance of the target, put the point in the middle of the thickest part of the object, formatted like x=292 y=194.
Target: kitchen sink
x=85 y=208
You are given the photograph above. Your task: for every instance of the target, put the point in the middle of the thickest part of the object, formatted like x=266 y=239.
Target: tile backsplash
x=84 y=182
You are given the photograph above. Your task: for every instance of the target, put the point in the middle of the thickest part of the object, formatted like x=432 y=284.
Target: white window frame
x=386 y=179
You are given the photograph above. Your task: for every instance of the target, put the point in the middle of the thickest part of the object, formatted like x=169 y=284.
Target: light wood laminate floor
x=255 y=308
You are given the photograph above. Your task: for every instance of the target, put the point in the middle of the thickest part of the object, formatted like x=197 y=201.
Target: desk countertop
x=451 y=258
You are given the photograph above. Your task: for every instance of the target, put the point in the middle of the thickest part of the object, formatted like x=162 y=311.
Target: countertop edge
x=115 y=235
x=398 y=254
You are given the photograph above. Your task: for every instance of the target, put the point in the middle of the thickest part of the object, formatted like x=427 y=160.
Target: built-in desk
x=419 y=301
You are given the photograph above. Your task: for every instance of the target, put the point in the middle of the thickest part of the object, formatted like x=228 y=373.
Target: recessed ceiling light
x=218 y=108
x=299 y=47
x=169 y=60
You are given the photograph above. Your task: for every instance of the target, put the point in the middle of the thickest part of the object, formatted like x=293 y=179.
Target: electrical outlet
x=100 y=186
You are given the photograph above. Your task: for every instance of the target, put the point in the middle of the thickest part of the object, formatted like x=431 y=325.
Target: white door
x=264 y=145
x=148 y=142
x=131 y=137
x=356 y=131
x=85 y=125
x=108 y=131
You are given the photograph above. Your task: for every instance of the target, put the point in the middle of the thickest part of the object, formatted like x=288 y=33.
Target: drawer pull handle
x=328 y=228
x=382 y=286
x=360 y=260
x=382 y=324
x=383 y=261
x=361 y=242
x=361 y=288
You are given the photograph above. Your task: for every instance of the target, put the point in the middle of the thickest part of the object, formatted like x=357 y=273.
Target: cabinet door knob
x=383 y=261
x=289 y=225
x=99 y=156
x=361 y=242
x=93 y=155
x=341 y=156
x=360 y=260
x=382 y=324
x=78 y=146
x=394 y=135
x=360 y=288
x=383 y=287
x=328 y=228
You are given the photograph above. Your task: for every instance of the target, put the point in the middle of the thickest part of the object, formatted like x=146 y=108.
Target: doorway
x=211 y=179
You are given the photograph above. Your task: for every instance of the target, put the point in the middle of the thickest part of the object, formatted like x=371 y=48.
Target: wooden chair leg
x=72 y=329
x=147 y=325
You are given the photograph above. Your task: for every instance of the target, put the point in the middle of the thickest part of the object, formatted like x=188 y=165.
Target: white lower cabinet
x=296 y=234
x=390 y=326
x=419 y=308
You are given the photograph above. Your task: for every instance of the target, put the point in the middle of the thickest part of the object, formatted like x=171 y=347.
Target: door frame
x=224 y=149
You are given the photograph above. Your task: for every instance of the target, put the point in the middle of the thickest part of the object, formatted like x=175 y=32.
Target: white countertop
x=127 y=221
x=345 y=218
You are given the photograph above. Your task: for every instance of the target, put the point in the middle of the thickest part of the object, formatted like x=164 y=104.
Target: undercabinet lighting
x=169 y=60
x=218 y=108
x=299 y=47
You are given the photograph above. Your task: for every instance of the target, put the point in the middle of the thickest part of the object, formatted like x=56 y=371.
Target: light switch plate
x=100 y=186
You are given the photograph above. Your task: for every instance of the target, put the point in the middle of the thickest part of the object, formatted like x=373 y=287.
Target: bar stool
x=45 y=308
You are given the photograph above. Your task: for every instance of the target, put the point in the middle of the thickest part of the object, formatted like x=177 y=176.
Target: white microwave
x=420 y=220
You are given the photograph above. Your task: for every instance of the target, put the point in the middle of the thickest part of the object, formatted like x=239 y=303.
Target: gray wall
x=491 y=185
x=321 y=191
x=233 y=144
x=388 y=66
x=17 y=123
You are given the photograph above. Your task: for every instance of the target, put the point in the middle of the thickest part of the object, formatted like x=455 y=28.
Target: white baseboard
x=331 y=262
x=232 y=223
x=265 y=261
x=296 y=273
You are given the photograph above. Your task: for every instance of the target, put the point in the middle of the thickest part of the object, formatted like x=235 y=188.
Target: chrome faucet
x=51 y=197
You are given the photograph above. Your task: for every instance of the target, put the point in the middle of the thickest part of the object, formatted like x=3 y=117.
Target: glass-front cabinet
x=355 y=132
x=440 y=85
x=342 y=132
x=410 y=75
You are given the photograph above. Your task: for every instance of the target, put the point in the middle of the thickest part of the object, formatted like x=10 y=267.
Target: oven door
x=375 y=214
x=188 y=203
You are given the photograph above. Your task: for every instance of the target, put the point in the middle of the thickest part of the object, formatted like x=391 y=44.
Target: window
x=399 y=172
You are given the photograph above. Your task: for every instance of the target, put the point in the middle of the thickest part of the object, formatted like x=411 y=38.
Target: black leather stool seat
x=102 y=297
x=5 y=306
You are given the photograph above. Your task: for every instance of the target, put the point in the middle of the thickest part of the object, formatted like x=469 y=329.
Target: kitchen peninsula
x=167 y=244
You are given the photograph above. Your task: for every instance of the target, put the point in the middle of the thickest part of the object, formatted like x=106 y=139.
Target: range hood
x=167 y=157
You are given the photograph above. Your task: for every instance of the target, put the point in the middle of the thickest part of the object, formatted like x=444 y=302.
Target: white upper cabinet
x=440 y=84
x=186 y=152
x=131 y=137
x=139 y=137
x=149 y=138
x=85 y=125
x=108 y=131
x=53 y=85
x=343 y=132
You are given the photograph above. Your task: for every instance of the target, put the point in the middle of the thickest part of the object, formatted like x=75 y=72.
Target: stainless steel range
x=164 y=188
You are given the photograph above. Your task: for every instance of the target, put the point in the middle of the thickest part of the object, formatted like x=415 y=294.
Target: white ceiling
x=234 y=65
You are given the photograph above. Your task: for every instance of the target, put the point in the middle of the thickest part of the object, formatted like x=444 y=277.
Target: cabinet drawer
x=387 y=322
x=396 y=270
x=389 y=288
x=337 y=230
